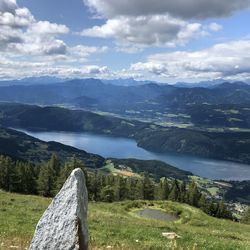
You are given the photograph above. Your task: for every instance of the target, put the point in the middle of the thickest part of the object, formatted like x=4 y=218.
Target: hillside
x=115 y=225
x=24 y=147
x=166 y=104
x=20 y=146
x=232 y=145
x=109 y=97
x=62 y=119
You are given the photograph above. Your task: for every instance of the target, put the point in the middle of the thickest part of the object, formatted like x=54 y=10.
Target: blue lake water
x=108 y=146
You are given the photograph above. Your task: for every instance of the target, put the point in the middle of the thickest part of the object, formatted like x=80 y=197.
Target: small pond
x=155 y=214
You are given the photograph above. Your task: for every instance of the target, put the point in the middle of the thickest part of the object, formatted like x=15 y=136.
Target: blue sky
x=167 y=41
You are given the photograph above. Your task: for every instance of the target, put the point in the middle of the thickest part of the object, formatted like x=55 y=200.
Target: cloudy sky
x=160 y=40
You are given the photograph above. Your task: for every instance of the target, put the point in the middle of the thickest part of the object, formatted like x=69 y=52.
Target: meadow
x=115 y=226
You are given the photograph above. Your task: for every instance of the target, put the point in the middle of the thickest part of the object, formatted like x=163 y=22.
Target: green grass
x=114 y=225
x=111 y=169
x=200 y=180
x=18 y=217
x=213 y=191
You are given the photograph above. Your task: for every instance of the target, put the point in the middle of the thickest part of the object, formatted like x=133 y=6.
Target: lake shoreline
x=120 y=147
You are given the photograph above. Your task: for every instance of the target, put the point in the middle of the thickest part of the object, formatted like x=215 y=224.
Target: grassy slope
x=112 y=225
x=18 y=145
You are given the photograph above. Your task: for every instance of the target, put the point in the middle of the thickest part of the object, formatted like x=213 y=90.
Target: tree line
x=47 y=180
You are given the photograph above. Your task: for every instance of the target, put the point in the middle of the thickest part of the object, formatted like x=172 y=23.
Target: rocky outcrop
x=63 y=226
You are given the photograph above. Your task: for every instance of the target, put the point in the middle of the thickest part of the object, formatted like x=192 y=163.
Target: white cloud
x=32 y=47
x=21 y=18
x=157 y=30
x=187 y=9
x=21 y=34
x=82 y=51
x=214 y=27
x=47 y=28
x=9 y=36
x=225 y=60
x=142 y=23
x=8 y=6
x=18 y=70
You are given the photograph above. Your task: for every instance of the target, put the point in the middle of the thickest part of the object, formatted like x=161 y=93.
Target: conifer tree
x=222 y=211
x=95 y=186
x=203 y=204
x=64 y=174
x=174 y=194
x=246 y=217
x=107 y=194
x=193 y=195
x=139 y=190
x=183 y=192
x=148 y=188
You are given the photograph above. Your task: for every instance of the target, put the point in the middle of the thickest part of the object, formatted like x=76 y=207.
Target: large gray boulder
x=63 y=226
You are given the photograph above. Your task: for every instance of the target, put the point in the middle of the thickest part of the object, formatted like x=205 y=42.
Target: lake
x=108 y=146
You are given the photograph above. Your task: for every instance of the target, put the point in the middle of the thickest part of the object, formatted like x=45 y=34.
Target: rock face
x=63 y=226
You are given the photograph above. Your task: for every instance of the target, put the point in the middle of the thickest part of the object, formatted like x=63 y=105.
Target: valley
x=116 y=147
x=139 y=129
x=222 y=145
x=124 y=125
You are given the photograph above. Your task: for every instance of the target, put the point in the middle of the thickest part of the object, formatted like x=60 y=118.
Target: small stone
x=63 y=225
x=170 y=235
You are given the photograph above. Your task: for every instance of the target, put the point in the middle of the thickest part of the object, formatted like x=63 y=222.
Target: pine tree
x=183 y=193
x=222 y=211
x=64 y=174
x=54 y=163
x=158 y=191
x=139 y=190
x=17 y=176
x=246 y=217
x=107 y=194
x=47 y=179
x=29 y=179
x=9 y=176
x=212 y=208
x=148 y=187
x=203 y=204
x=44 y=182
x=120 y=188
x=95 y=186
x=193 y=195
x=175 y=190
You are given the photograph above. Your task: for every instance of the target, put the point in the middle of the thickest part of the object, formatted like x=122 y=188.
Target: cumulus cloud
x=214 y=27
x=8 y=6
x=32 y=47
x=14 y=69
x=158 y=23
x=20 y=33
x=187 y=9
x=82 y=51
x=224 y=60
x=157 y=30
x=47 y=28
x=20 y=18
x=9 y=36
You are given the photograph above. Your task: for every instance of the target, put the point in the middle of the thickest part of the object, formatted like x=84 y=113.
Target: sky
x=161 y=40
